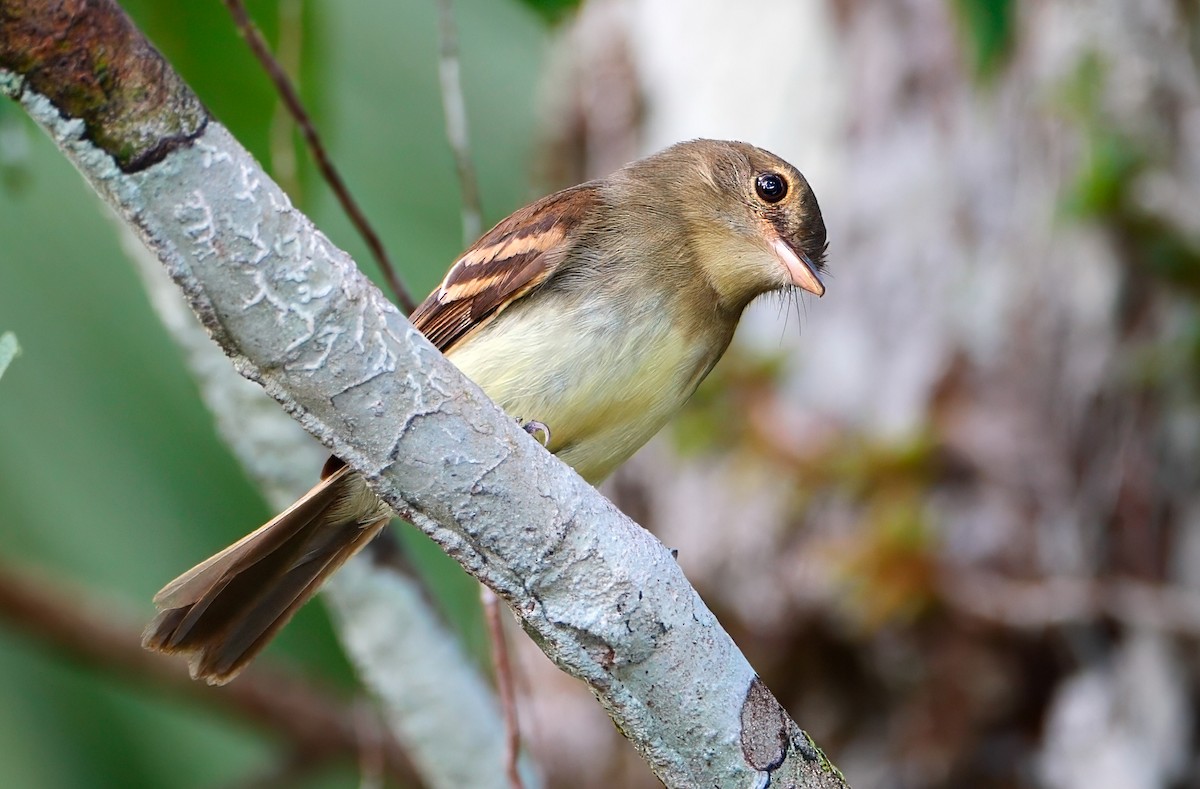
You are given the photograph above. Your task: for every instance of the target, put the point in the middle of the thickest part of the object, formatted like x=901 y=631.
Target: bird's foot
x=533 y=427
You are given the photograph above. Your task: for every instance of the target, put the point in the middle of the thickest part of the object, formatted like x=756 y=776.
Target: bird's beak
x=800 y=267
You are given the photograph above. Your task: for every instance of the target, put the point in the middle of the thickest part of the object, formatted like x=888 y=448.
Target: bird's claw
x=533 y=427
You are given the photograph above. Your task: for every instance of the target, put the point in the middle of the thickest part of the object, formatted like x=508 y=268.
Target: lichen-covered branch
x=603 y=598
x=432 y=694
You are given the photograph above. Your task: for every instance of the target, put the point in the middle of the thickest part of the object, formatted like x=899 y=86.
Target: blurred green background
x=110 y=472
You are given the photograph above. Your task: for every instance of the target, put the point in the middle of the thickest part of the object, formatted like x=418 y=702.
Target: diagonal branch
x=431 y=692
x=603 y=598
x=454 y=106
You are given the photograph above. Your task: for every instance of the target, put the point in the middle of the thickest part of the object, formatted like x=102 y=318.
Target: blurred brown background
x=950 y=511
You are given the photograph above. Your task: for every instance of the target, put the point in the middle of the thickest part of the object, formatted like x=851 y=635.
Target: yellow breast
x=603 y=385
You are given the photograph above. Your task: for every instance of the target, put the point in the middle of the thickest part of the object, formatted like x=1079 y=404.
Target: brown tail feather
x=223 y=611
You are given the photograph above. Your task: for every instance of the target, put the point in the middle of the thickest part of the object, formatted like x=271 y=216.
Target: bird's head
x=753 y=222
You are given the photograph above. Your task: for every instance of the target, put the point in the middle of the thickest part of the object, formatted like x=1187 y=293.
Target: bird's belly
x=603 y=386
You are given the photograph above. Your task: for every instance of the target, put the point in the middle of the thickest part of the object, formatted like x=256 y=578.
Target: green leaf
x=1110 y=166
x=551 y=10
x=8 y=350
x=988 y=26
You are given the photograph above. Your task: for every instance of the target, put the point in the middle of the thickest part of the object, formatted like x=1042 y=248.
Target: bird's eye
x=771 y=187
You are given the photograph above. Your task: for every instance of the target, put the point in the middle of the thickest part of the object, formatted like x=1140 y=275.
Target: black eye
x=771 y=187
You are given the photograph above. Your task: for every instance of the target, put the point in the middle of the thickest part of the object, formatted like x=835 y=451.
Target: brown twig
x=287 y=92
x=371 y=756
x=504 y=686
x=455 y=109
x=282 y=144
x=291 y=770
x=313 y=722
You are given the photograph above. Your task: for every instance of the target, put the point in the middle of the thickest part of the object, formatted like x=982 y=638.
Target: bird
x=593 y=313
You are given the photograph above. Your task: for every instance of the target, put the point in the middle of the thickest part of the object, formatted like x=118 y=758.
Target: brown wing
x=506 y=263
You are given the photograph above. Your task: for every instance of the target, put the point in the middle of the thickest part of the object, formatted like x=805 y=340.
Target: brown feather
x=507 y=263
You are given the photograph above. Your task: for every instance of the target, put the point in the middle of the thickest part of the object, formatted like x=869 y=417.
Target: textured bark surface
x=94 y=65
x=430 y=691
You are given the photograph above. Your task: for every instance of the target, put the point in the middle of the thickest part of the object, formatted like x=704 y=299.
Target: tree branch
x=434 y=698
x=455 y=110
x=602 y=597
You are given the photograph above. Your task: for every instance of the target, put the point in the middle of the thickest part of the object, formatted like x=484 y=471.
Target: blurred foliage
x=1112 y=159
x=1114 y=165
x=731 y=412
x=110 y=471
x=716 y=418
x=888 y=564
x=552 y=10
x=1157 y=365
x=863 y=469
x=889 y=567
x=1153 y=249
x=14 y=148
x=989 y=28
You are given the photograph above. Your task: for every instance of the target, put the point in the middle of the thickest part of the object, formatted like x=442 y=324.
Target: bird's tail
x=223 y=611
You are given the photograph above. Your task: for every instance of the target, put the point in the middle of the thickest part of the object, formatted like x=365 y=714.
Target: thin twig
x=288 y=93
x=79 y=624
x=504 y=686
x=282 y=143
x=289 y=771
x=455 y=109
x=370 y=758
